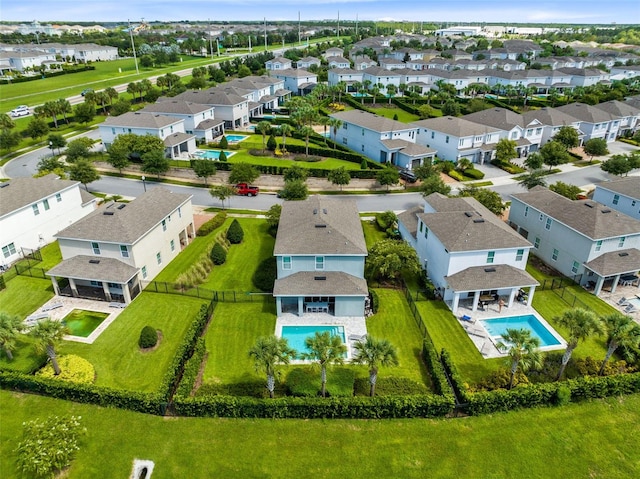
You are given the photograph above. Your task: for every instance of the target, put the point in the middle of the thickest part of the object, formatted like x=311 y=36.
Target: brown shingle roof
x=409 y=219
x=629 y=186
x=490 y=277
x=20 y=192
x=459 y=127
x=616 y=262
x=335 y=283
x=371 y=121
x=93 y=268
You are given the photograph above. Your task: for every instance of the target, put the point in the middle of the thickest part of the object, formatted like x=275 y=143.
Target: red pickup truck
x=244 y=189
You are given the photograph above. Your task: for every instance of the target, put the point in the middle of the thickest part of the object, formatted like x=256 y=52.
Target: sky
x=521 y=11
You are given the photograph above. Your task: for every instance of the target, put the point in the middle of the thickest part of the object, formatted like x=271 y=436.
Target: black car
x=408 y=176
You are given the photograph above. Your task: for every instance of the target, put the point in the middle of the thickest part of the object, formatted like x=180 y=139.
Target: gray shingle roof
x=300 y=231
x=127 y=224
x=480 y=278
x=20 y=192
x=409 y=219
x=208 y=124
x=616 y=262
x=497 y=117
x=177 y=107
x=548 y=116
x=371 y=121
x=335 y=283
x=584 y=112
x=177 y=138
x=629 y=186
x=84 y=267
x=618 y=108
x=211 y=96
x=141 y=120
x=408 y=148
x=451 y=125
x=588 y=217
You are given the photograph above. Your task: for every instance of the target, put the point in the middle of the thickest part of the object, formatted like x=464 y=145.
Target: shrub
x=74 y=368
x=148 y=337
x=271 y=143
x=265 y=274
x=224 y=143
x=192 y=369
x=235 y=233
x=364 y=165
x=473 y=173
x=218 y=254
x=222 y=156
x=294 y=190
x=305 y=381
x=390 y=386
x=456 y=175
x=563 y=396
x=375 y=301
x=212 y=224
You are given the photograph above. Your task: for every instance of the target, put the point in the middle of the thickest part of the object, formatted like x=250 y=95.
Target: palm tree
x=335 y=123
x=263 y=127
x=285 y=129
x=581 y=324
x=622 y=331
x=522 y=351
x=306 y=131
x=267 y=353
x=391 y=91
x=132 y=89
x=324 y=350
x=64 y=108
x=52 y=109
x=10 y=326
x=112 y=94
x=375 y=353
x=48 y=334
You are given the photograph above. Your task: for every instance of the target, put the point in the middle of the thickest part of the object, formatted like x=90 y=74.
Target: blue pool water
x=296 y=335
x=236 y=138
x=212 y=154
x=497 y=327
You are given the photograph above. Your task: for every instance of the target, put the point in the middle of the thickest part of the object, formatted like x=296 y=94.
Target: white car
x=22 y=110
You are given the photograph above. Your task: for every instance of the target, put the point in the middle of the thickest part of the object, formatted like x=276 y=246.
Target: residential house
x=622 y=195
x=583 y=239
x=199 y=120
x=467 y=251
x=333 y=52
x=111 y=252
x=391 y=63
x=408 y=54
x=33 y=210
x=308 y=62
x=625 y=72
x=338 y=62
x=22 y=61
x=296 y=80
x=627 y=114
x=594 y=122
x=362 y=62
x=379 y=75
x=344 y=75
x=585 y=76
x=320 y=253
x=230 y=107
x=278 y=63
x=550 y=120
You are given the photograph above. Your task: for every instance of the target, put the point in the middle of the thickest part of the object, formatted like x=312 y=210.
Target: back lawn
x=389 y=111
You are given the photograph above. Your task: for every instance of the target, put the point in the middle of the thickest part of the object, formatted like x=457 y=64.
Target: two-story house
x=230 y=107
x=278 y=63
x=308 y=62
x=594 y=122
x=584 y=240
x=622 y=195
x=33 y=210
x=109 y=253
x=320 y=252
x=297 y=80
x=338 y=62
x=199 y=120
x=467 y=251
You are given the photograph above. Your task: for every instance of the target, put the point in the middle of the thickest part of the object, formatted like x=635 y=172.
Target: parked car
x=22 y=110
x=244 y=189
x=86 y=90
x=408 y=176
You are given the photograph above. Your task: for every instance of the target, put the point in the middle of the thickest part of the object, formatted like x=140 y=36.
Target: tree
x=48 y=334
x=267 y=353
x=533 y=179
x=56 y=141
x=63 y=108
x=339 y=176
x=622 y=331
x=9 y=139
x=52 y=109
x=120 y=107
x=273 y=217
x=272 y=144
x=222 y=192
x=489 y=199
x=581 y=324
x=243 y=71
x=264 y=128
x=325 y=350
x=78 y=148
x=451 y=108
x=37 y=128
x=425 y=170
x=595 y=147
x=155 y=163
x=6 y=122
x=295 y=172
x=84 y=112
x=243 y=173
x=522 y=351
x=204 y=169
x=567 y=136
x=391 y=91
x=218 y=254
x=112 y=93
x=566 y=190
x=506 y=150
x=306 y=131
x=294 y=190
x=389 y=258
x=534 y=161
x=434 y=184
x=84 y=172
x=133 y=88
x=235 y=233
x=374 y=353
x=463 y=164
x=388 y=176
x=285 y=129
x=10 y=326
x=554 y=154
x=617 y=165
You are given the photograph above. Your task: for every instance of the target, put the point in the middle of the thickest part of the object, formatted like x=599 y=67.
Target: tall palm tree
x=263 y=127
x=391 y=91
x=622 y=331
x=64 y=108
x=52 y=109
x=267 y=353
x=324 y=350
x=335 y=123
x=522 y=351
x=112 y=93
x=10 y=326
x=581 y=324
x=375 y=353
x=48 y=333
x=285 y=129
x=306 y=131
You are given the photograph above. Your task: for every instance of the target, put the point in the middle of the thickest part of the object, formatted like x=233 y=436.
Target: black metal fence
x=208 y=294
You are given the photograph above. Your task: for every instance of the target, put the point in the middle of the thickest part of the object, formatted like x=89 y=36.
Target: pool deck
x=353 y=326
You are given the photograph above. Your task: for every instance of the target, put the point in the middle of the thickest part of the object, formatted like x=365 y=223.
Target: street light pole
x=51 y=147
x=144 y=185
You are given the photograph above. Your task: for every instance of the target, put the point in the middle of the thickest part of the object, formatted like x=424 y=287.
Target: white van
x=22 y=110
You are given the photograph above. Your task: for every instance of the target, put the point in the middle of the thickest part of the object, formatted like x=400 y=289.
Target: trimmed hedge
x=375 y=301
x=218 y=254
x=212 y=224
x=473 y=173
x=438 y=376
x=456 y=175
x=148 y=337
x=192 y=368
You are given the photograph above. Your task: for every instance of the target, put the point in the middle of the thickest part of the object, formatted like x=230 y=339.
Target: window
x=113 y=131
x=179 y=212
x=115 y=285
x=554 y=256
x=286 y=262
x=598 y=245
x=363 y=132
x=164 y=225
x=319 y=262
x=421 y=225
x=344 y=140
x=45 y=203
x=144 y=272
x=173 y=245
x=621 y=242
x=95 y=283
x=538 y=131
x=426 y=232
x=96 y=248
x=158 y=258
x=519 y=255
x=541 y=217
x=536 y=243
x=526 y=210
x=446 y=140
x=58 y=197
x=124 y=251
x=362 y=147
x=547 y=225
x=36 y=211
x=8 y=250
x=574 y=268
x=433 y=134
x=616 y=199
x=461 y=142
x=490 y=256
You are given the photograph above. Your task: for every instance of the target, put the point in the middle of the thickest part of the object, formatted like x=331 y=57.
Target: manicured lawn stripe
x=391 y=111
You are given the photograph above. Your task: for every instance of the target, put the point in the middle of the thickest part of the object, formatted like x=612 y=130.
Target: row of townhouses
x=20 y=57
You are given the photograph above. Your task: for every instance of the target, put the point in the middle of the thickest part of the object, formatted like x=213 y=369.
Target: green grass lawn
x=24 y=295
x=390 y=111
x=325 y=163
x=372 y=233
x=25 y=359
x=118 y=361
x=597 y=439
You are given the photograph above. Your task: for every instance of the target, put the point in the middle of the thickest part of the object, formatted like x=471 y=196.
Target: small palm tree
x=581 y=324
x=335 y=123
x=10 y=326
x=324 y=349
x=285 y=129
x=263 y=127
x=622 y=331
x=48 y=334
x=522 y=351
x=306 y=131
x=375 y=353
x=267 y=353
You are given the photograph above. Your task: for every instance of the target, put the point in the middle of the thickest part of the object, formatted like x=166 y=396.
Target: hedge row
x=212 y=224
x=48 y=74
x=339 y=154
x=192 y=368
x=383 y=407
x=312 y=172
x=438 y=376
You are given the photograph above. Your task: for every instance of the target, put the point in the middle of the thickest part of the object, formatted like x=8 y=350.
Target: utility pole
x=265 y=34
x=249 y=42
x=211 y=40
x=299 y=37
x=356 y=26
x=133 y=46
x=338 y=29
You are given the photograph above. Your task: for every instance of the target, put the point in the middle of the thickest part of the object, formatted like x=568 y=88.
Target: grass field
x=596 y=439
x=389 y=111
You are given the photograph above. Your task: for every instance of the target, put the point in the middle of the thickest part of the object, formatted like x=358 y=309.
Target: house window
x=461 y=142
x=490 y=256
x=363 y=132
x=319 y=262
x=96 y=248
x=433 y=134
x=519 y=255
x=95 y=283
x=115 y=285
x=113 y=131
x=536 y=243
x=8 y=250
x=286 y=262
x=124 y=251
x=36 y=211
x=158 y=258
x=45 y=203
x=526 y=210
x=173 y=245
x=421 y=225
x=598 y=245
x=547 y=225
x=616 y=199
x=446 y=140
x=164 y=225
x=179 y=213
x=621 y=242
x=554 y=256
x=574 y=268
x=362 y=147
x=541 y=217
x=538 y=131
x=344 y=140
x=144 y=272
x=58 y=197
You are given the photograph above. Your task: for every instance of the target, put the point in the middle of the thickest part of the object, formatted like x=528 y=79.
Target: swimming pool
x=235 y=138
x=296 y=335
x=547 y=336
x=212 y=154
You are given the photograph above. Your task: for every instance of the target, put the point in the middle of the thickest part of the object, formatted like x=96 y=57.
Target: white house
x=33 y=210
x=333 y=52
x=345 y=75
x=338 y=62
x=308 y=62
x=20 y=61
x=594 y=122
x=198 y=119
x=278 y=63
x=230 y=107
x=467 y=251
x=297 y=80
x=584 y=240
x=110 y=253
x=622 y=195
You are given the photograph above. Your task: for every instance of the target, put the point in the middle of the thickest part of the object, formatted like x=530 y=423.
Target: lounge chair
x=622 y=301
x=357 y=337
x=630 y=308
x=467 y=319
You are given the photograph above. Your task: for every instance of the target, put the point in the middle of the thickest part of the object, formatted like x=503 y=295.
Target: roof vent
x=320 y=278
x=324 y=210
x=4 y=185
x=468 y=214
x=590 y=205
x=94 y=261
x=122 y=206
x=321 y=226
x=489 y=270
x=606 y=211
x=315 y=211
x=622 y=255
x=107 y=213
x=479 y=220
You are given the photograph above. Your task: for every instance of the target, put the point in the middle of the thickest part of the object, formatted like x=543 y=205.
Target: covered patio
x=615 y=268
